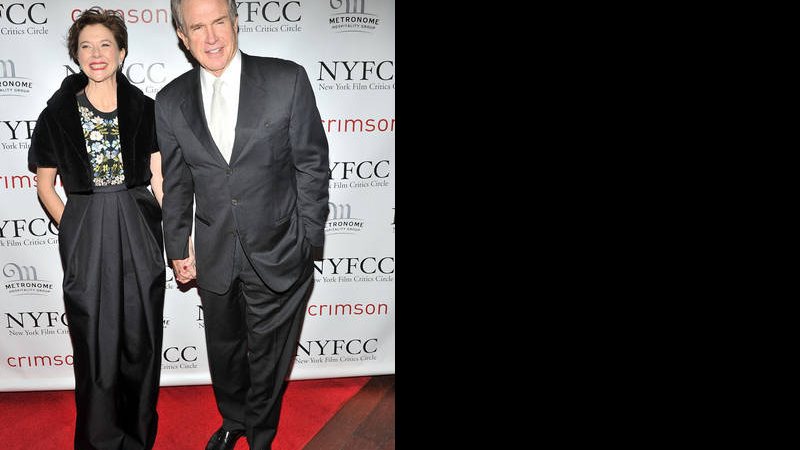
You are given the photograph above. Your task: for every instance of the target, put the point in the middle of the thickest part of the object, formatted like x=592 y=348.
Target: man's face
x=210 y=36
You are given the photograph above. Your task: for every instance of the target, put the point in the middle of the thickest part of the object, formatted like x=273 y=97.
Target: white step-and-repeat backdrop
x=347 y=48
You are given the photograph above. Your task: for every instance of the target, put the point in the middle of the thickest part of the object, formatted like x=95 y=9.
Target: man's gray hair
x=177 y=13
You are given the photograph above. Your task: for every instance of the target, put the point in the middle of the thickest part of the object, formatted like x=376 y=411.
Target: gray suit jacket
x=274 y=192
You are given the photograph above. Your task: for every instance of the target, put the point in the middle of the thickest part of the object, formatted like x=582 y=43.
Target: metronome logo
x=352 y=16
x=12 y=85
x=24 y=280
x=341 y=220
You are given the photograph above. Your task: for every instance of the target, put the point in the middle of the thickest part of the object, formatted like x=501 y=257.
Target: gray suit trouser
x=252 y=334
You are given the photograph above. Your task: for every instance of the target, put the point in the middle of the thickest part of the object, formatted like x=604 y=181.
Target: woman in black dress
x=98 y=133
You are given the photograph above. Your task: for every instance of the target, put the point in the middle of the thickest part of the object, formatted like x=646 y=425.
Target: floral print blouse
x=101 y=132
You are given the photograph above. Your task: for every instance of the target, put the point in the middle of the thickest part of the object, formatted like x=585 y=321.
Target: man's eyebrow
x=224 y=16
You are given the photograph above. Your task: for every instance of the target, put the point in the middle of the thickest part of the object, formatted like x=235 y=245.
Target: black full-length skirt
x=111 y=250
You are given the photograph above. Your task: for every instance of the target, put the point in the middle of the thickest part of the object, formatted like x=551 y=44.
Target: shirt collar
x=231 y=75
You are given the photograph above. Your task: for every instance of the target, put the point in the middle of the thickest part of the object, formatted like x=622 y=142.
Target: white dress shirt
x=232 y=78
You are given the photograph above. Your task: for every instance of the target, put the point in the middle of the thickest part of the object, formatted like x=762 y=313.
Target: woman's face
x=98 y=53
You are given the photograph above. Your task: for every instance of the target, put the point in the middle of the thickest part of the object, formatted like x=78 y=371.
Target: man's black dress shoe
x=224 y=440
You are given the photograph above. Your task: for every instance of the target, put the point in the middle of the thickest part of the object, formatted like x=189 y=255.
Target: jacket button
x=228 y=171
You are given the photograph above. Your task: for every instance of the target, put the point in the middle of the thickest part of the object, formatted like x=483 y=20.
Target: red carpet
x=187 y=416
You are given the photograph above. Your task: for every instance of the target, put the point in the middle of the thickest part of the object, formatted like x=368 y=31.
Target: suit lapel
x=192 y=108
x=250 y=118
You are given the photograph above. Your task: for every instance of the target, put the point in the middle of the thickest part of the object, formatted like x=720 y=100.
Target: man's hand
x=185 y=270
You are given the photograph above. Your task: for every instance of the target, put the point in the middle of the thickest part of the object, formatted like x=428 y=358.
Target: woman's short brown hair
x=108 y=18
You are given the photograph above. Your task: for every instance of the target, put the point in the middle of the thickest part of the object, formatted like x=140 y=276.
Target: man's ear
x=183 y=38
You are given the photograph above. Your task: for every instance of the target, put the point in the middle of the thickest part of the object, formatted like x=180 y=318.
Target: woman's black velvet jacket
x=58 y=141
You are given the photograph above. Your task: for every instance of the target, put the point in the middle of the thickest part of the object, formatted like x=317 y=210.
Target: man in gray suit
x=241 y=135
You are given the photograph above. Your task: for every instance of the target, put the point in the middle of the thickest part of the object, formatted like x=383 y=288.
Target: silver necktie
x=219 y=130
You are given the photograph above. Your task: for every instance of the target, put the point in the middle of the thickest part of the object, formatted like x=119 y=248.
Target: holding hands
x=185 y=269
